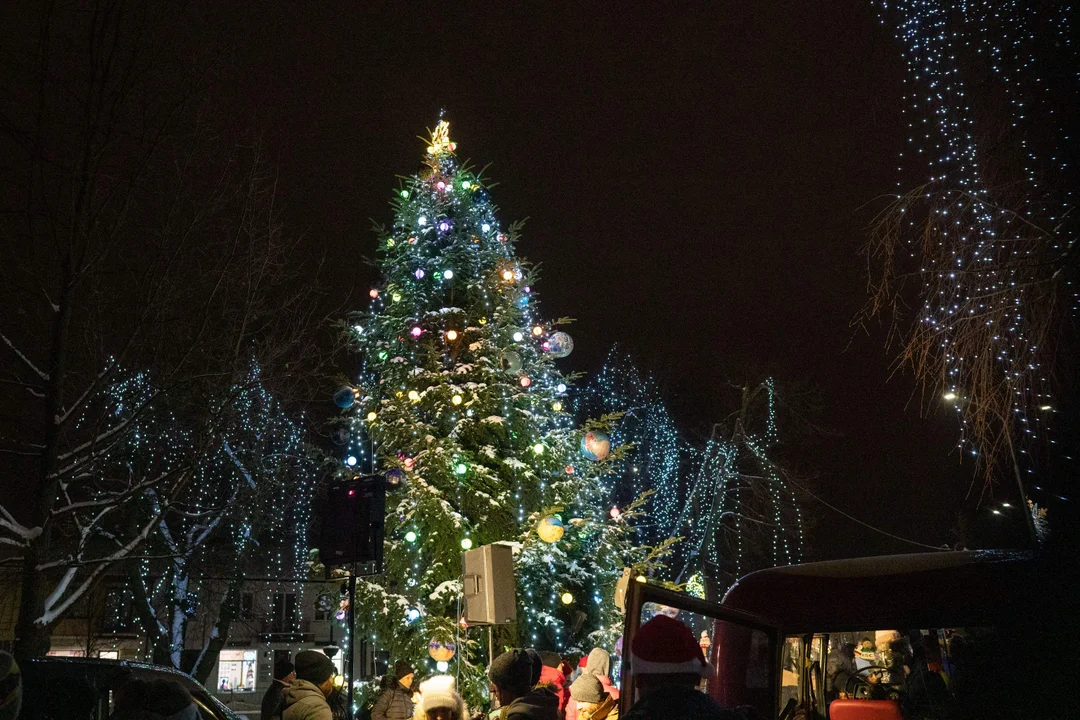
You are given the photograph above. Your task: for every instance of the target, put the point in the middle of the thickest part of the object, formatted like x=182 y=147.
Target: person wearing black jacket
x=284 y=673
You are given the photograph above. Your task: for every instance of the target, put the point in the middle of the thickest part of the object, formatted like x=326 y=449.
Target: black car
x=57 y=688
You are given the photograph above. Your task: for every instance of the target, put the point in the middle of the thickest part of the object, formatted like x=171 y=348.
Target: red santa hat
x=666 y=646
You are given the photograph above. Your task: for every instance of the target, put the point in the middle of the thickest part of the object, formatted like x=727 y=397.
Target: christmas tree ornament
x=410 y=537
x=441 y=651
x=414 y=396
x=560 y=388
x=409 y=463
x=344 y=397
x=615 y=513
x=550 y=529
x=396 y=297
x=404 y=194
x=451 y=335
x=560 y=345
x=537 y=330
x=419 y=273
x=351 y=461
x=485 y=227
x=340 y=436
x=508 y=275
x=595 y=446
x=525 y=381
x=518 y=337
x=567 y=598
x=371 y=416
x=522 y=302
x=373 y=293
x=556 y=406
x=416 y=331
x=448 y=274
x=456 y=399
x=569 y=469
x=538 y=449
x=466 y=544
x=511 y=361
x=461 y=469
x=396 y=479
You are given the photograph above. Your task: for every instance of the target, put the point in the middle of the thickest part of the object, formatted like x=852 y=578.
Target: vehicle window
x=928 y=672
x=790 y=661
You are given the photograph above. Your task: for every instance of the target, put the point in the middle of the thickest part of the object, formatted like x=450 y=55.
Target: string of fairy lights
x=254 y=488
x=961 y=57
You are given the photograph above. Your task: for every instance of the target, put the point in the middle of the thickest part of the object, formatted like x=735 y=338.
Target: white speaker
x=489 y=585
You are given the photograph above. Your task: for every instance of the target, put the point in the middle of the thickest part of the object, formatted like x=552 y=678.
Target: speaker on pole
x=353 y=518
x=490 y=587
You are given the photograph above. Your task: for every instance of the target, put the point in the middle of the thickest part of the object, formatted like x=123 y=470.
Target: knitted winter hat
x=313 y=666
x=587 y=689
x=598 y=662
x=512 y=671
x=403 y=668
x=550 y=659
x=440 y=692
x=282 y=669
x=666 y=646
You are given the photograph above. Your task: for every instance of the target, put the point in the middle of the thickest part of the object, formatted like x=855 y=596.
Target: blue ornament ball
x=560 y=345
x=344 y=397
x=340 y=436
x=523 y=301
x=595 y=446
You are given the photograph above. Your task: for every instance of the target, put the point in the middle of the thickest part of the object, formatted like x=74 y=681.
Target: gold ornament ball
x=550 y=529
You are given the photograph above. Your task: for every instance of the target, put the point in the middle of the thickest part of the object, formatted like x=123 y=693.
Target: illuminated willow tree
x=985 y=236
x=460 y=395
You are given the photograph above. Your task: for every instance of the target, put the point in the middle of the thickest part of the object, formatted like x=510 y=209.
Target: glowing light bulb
x=448 y=274
x=441 y=185
x=525 y=381
x=949 y=396
x=461 y=469
x=537 y=330
x=567 y=598
x=405 y=194
x=396 y=297
x=615 y=513
x=419 y=273
x=390 y=242
x=351 y=460
x=556 y=406
x=371 y=416
x=466 y=543
x=410 y=537
x=358 y=329
x=518 y=337
x=483 y=321
x=561 y=387
x=466 y=184
x=641 y=578
x=414 y=396
x=485 y=227
x=444 y=226
x=538 y=448
x=451 y=335
x=508 y=275
x=416 y=331
x=373 y=293
x=442 y=666
x=421 y=220
x=456 y=399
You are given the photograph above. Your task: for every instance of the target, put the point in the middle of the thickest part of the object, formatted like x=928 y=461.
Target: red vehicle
x=938 y=635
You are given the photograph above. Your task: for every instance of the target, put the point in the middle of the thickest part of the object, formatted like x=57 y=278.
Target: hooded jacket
x=305 y=701
x=598 y=664
x=539 y=704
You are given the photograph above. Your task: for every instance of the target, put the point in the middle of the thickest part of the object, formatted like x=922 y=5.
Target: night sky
x=697 y=178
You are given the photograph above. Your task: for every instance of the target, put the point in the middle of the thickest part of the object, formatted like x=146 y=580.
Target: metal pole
x=352 y=639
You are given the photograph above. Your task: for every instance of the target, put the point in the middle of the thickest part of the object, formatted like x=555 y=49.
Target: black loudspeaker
x=352 y=529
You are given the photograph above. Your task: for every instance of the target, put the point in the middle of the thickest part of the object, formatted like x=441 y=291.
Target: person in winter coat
x=395 y=698
x=511 y=673
x=591 y=701
x=598 y=663
x=439 y=700
x=10 y=687
x=552 y=676
x=284 y=673
x=305 y=698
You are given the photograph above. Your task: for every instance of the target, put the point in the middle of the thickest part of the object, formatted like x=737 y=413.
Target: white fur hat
x=440 y=692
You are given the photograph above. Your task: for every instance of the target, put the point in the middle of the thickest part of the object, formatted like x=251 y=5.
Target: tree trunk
x=219 y=635
x=155 y=634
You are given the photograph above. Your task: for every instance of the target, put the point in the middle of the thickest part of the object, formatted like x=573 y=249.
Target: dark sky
x=695 y=177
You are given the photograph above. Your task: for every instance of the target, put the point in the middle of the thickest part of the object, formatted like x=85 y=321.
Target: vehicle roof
x=946 y=589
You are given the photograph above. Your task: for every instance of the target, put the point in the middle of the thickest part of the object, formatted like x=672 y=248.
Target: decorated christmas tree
x=469 y=418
